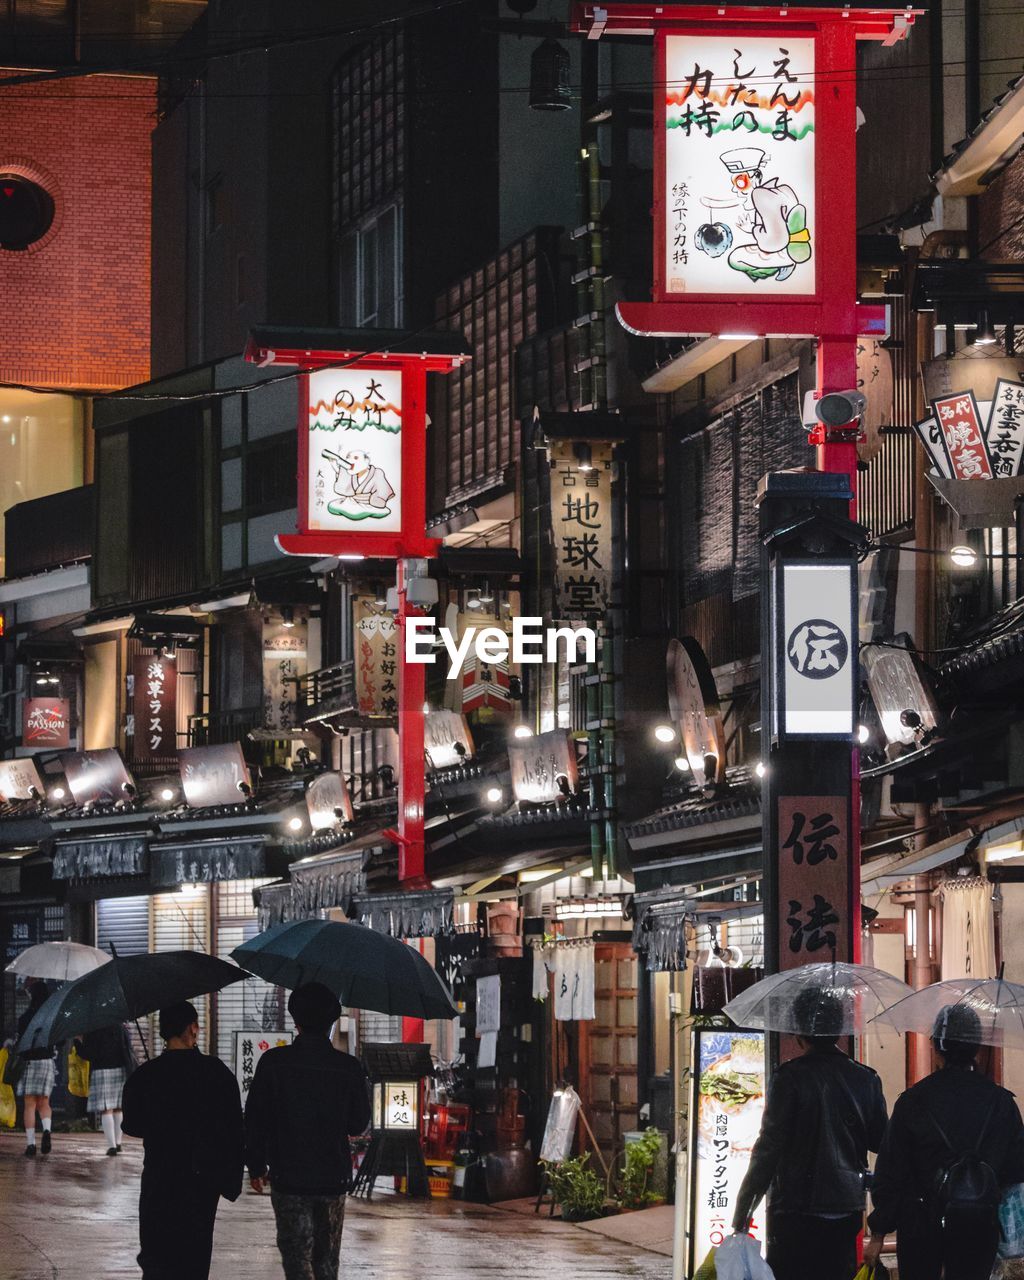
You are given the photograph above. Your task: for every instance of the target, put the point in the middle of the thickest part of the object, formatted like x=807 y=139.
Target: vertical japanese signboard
x=815 y=649
x=284 y=661
x=376 y=646
x=737 y=126
x=726 y=1107
x=960 y=426
x=813 y=879
x=155 y=700
x=581 y=517
x=1005 y=434
x=250 y=1046
x=354 y=450
x=47 y=723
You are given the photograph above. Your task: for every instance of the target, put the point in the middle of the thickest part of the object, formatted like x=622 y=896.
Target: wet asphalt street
x=71 y=1216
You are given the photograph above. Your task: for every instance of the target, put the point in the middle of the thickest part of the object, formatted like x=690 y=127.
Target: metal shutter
x=252 y=1005
x=125 y=923
x=181 y=922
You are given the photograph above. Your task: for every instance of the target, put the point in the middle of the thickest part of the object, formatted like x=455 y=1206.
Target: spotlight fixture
x=760 y=768
x=473 y=600
x=911 y=719
x=664 y=733
x=58 y=793
x=386 y=776
x=523 y=731
x=287 y=616
x=515 y=688
x=562 y=783
x=170 y=650
x=984 y=334
x=863 y=733
x=129 y=790
x=294 y=824
x=549 y=77
x=682 y=764
x=584 y=456
x=963 y=556
x=244 y=787
x=167 y=795
x=380 y=596
x=460 y=749
x=493 y=795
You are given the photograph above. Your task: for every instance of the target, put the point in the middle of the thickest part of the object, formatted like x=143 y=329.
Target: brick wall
x=74 y=306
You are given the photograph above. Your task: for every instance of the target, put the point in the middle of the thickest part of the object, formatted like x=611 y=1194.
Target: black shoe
x=30 y=1151
x=46 y=1142
x=118 y=1148
x=111 y=1151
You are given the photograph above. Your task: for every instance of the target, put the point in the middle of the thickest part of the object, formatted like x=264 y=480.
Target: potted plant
x=576 y=1187
x=637 y=1171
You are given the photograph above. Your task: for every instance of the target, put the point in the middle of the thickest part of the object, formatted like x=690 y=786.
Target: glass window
x=231 y=422
x=370 y=272
x=231 y=546
x=231 y=484
x=262 y=529
x=40 y=448
x=273 y=409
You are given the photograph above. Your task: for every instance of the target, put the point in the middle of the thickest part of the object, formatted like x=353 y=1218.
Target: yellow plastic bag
x=8 y=1105
x=78 y=1075
x=878 y=1272
x=706 y=1270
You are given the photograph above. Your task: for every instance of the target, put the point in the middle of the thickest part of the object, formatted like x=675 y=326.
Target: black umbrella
x=365 y=969
x=126 y=988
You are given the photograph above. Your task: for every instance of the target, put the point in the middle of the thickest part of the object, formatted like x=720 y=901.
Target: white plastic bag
x=739 y=1258
x=1011 y=1222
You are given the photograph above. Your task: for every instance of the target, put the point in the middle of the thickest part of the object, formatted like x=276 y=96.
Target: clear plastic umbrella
x=60 y=961
x=832 y=999
x=998 y=1004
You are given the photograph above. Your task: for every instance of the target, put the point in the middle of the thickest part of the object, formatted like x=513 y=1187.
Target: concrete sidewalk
x=649 y=1229
x=72 y=1216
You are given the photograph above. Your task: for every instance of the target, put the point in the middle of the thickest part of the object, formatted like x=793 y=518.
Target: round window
x=26 y=212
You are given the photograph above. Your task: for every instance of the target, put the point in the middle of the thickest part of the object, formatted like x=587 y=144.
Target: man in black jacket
x=955 y=1111
x=305 y=1100
x=824 y=1113
x=186 y=1107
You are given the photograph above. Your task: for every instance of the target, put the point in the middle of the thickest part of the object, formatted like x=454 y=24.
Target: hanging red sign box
x=362 y=425
x=754 y=164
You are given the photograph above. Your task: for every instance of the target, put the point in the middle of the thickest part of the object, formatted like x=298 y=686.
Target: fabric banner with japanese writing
x=581 y=523
x=376 y=642
x=284 y=660
x=155 y=702
x=814 y=880
x=738 y=117
x=960 y=425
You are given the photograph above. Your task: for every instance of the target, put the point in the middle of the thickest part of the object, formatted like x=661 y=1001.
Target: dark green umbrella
x=365 y=969
x=126 y=988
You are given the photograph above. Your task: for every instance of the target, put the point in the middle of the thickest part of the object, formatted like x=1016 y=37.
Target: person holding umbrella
x=108 y=1054
x=823 y=1114
x=954 y=1144
x=38 y=1078
x=304 y=1102
x=187 y=1109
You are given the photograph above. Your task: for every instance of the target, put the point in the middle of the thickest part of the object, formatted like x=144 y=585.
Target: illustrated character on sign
x=782 y=240
x=745 y=167
x=363 y=490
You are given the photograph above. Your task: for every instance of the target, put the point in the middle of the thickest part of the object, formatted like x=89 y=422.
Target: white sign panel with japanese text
x=581 y=518
x=816 y=649
x=250 y=1046
x=354 y=461
x=739 y=196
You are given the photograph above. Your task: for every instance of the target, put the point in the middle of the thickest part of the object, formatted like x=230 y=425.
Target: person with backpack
x=954 y=1144
x=823 y=1114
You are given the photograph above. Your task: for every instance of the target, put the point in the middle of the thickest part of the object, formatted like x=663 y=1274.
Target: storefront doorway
x=608 y=1073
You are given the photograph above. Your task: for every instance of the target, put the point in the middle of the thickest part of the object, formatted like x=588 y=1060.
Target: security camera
x=840 y=407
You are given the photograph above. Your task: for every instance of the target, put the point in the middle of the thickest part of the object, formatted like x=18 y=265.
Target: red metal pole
x=412 y=690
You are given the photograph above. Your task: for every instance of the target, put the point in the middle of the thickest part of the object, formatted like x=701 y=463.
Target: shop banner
x=1005 y=432
x=815 y=627
x=931 y=437
x=214 y=775
x=376 y=644
x=155 y=703
x=814 y=880
x=328 y=801
x=19 y=779
x=537 y=764
x=482 y=687
x=726 y=1108
x=250 y=1046
x=447 y=739
x=284 y=661
x=581 y=520
x=97 y=775
x=738 y=117
x=959 y=422
x=47 y=723
x=354 y=451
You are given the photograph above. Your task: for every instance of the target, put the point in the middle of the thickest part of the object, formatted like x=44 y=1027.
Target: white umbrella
x=61 y=961
x=998 y=1007
x=817 y=999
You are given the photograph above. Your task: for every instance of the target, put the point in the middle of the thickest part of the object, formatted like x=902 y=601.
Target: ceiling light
x=963 y=557
x=493 y=795
x=351 y=556
x=1004 y=852
x=682 y=764
x=760 y=768
x=584 y=456
x=984 y=334
x=294 y=824
x=473 y=601
x=523 y=731
x=664 y=733
x=58 y=793
x=167 y=794
x=487 y=595
x=287 y=616
x=863 y=733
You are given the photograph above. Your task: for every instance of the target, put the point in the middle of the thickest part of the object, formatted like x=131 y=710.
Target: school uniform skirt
x=105 y=1087
x=37 y=1079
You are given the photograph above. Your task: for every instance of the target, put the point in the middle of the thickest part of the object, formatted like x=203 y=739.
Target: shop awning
x=205 y=861
x=330 y=879
x=882 y=873
x=659 y=924
x=104 y=855
x=416 y=913
x=273 y=904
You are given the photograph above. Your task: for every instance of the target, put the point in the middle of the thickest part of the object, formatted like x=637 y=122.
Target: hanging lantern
x=549 y=77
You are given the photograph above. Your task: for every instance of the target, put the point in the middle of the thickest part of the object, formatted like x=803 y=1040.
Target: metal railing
x=211 y=728
x=329 y=691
